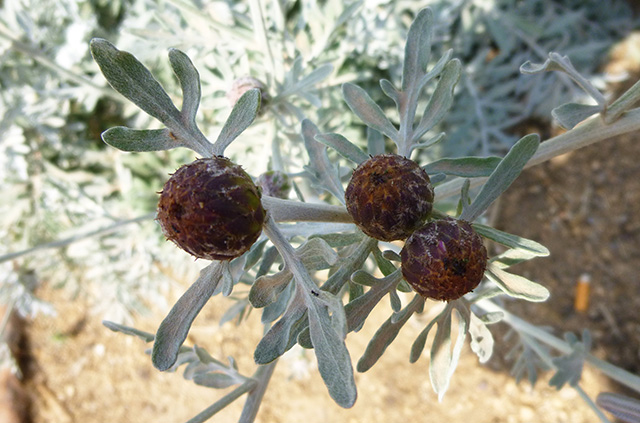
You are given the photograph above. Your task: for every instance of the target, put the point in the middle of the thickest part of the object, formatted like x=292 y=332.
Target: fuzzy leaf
x=358 y=309
x=145 y=336
x=320 y=168
x=215 y=380
x=368 y=111
x=502 y=177
x=346 y=148
x=570 y=114
x=444 y=360
x=334 y=362
x=174 y=328
x=265 y=289
x=189 y=82
x=390 y=91
x=134 y=81
x=278 y=339
x=418 y=344
x=517 y=286
x=529 y=247
x=481 y=338
x=417 y=50
x=127 y=139
x=242 y=115
x=387 y=333
x=466 y=167
x=441 y=100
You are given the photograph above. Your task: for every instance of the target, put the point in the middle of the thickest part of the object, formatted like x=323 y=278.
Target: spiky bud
x=275 y=184
x=444 y=260
x=211 y=209
x=389 y=197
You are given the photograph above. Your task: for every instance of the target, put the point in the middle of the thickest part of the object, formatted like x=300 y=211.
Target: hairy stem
x=210 y=411
x=587 y=133
x=262 y=376
x=288 y=211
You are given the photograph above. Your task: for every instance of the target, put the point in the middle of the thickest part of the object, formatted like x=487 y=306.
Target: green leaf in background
x=516 y=286
x=441 y=100
x=189 y=81
x=417 y=50
x=556 y=62
x=175 y=327
x=242 y=115
x=570 y=114
x=320 y=167
x=346 y=148
x=368 y=111
x=127 y=139
x=466 y=167
x=502 y=177
x=134 y=81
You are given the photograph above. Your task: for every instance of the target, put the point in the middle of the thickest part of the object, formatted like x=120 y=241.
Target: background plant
x=294 y=97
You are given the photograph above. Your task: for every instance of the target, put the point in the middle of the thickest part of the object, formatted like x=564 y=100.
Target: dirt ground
x=584 y=206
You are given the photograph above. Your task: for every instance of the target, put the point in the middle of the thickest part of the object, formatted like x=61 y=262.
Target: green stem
x=587 y=133
x=210 y=411
x=254 y=399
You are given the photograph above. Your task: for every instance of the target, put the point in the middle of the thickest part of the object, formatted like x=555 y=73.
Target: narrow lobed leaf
x=242 y=115
x=127 y=139
x=145 y=336
x=528 y=246
x=189 y=82
x=517 y=286
x=570 y=114
x=466 y=167
x=174 y=328
x=134 y=81
x=368 y=111
x=441 y=100
x=346 y=148
x=503 y=176
x=417 y=50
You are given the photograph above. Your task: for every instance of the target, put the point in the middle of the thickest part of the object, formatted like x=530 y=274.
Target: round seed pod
x=275 y=184
x=389 y=197
x=444 y=259
x=211 y=209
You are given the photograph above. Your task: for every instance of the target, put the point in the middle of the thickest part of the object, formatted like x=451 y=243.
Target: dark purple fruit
x=389 y=197
x=275 y=184
x=444 y=260
x=211 y=209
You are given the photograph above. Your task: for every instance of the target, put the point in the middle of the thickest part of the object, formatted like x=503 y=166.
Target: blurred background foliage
x=59 y=180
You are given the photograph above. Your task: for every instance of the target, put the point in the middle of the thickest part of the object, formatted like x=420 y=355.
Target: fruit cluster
x=390 y=198
x=212 y=209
